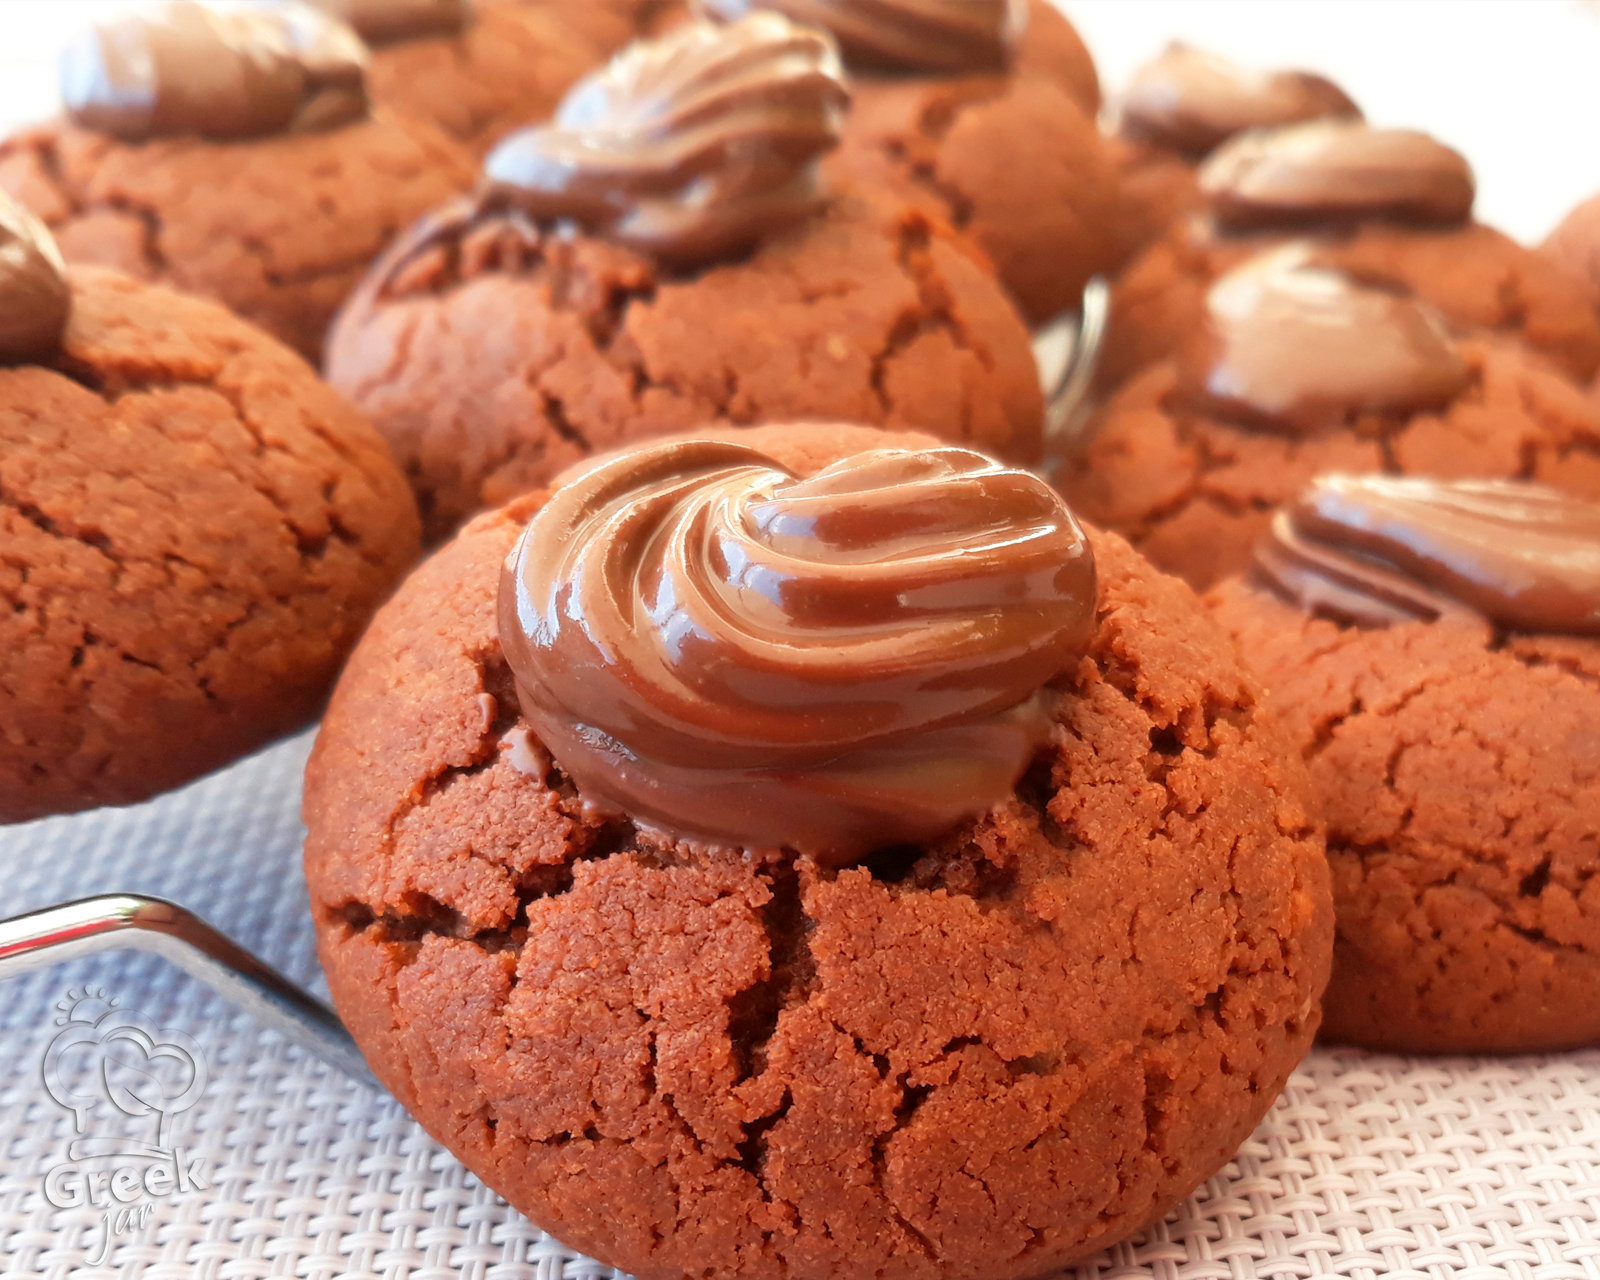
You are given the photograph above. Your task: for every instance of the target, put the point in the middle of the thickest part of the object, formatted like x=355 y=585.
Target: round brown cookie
x=980 y=1058
x=193 y=532
x=1574 y=246
x=1477 y=277
x=507 y=67
x=279 y=228
x=490 y=366
x=1194 y=489
x=1459 y=774
x=1013 y=161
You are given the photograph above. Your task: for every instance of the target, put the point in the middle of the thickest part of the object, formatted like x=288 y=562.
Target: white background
x=1513 y=83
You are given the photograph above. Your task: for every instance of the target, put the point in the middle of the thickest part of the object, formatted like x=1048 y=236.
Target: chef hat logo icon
x=106 y=1056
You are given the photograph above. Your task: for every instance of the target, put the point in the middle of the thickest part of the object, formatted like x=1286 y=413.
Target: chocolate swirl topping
x=34 y=296
x=1335 y=171
x=931 y=37
x=1191 y=101
x=693 y=147
x=1293 y=347
x=834 y=664
x=381 y=22
x=1376 y=550
x=183 y=68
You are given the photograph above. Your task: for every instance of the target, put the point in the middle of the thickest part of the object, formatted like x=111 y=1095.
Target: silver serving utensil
x=116 y=921
x=1067 y=349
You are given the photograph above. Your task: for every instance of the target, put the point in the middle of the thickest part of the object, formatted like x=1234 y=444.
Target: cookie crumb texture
x=1195 y=493
x=193 y=531
x=1476 y=277
x=982 y=1058
x=278 y=229
x=1460 y=777
x=487 y=380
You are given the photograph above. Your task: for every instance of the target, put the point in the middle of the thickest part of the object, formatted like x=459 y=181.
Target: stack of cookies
x=780 y=829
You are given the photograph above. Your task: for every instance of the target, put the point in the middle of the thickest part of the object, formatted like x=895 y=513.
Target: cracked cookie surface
x=979 y=1058
x=1479 y=279
x=492 y=362
x=1195 y=492
x=193 y=531
x=1459 y=774
x=278 y=229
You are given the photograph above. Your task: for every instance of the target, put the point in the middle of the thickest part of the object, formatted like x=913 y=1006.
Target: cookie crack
x=911 y=1099
x=932 y=313
x=753 y=1013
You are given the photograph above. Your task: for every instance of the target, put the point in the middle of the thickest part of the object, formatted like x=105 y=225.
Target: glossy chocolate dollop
x=931 y=37
x=1374 y=550
x=34 y=296
x=834 y=664
x=181 y=68
x=381 y=22
x=1298 y=348
x=1192 y=101
x=693 y=148
x=1335 y=171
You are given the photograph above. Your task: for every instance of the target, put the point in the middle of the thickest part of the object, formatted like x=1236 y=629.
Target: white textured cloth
x=1369 y=1166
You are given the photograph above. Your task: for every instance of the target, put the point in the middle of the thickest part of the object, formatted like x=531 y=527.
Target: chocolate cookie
x=984 y=1054
x=1435 y=648
x=475 y=70
x=1305 y=371
x=269 y=192
x=1181 y=106
x=494 y=347
x=1387 y=206
x=990 y=129
x=193 y=532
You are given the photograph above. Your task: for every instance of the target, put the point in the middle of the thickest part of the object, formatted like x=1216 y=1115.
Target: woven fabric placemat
x=1369 y=1166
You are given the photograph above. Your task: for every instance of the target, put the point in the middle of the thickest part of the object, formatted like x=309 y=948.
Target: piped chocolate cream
x=693 y=148
x=1377 y=550
x=34 y=295
x=383 y=22
x=835 y=664
x=183 y=68
x=1294 y=347
x=1191 y=101
x=926 y=37
x=1335 y=171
